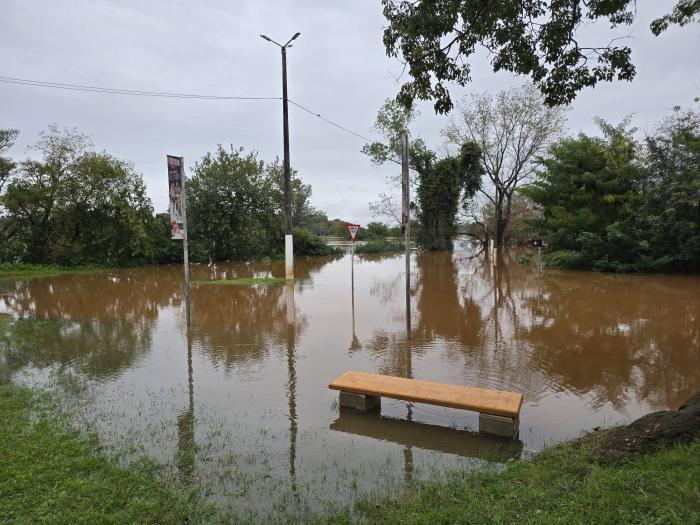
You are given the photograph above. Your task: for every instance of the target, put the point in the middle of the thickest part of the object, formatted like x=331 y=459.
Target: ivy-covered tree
x=441 y=188
x=544 y=40
x=441 y=183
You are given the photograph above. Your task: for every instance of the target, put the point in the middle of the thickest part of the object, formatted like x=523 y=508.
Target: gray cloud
x=337 y=68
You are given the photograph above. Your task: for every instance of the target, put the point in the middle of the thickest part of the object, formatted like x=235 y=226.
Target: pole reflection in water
x=291 y=383
x=185 y=425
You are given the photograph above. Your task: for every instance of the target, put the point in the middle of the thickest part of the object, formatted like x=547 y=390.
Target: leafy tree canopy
x=542 y=39
x=613 y=203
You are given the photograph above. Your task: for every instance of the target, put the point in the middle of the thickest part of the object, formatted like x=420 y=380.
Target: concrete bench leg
x=499 y=425
x=359 y=402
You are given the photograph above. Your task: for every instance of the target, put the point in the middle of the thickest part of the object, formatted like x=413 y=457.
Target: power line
x=318 y=115
x=118 y=91
x=329 y=121
x=164 y=94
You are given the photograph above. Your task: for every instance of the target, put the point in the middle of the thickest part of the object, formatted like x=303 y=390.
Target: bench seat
x=492 y=403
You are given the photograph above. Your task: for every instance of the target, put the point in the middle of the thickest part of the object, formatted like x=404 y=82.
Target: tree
x=316 y=221
x=76 y=206
x=671 y=204
x=439 y=192
x=301 y=193
x=540 y=39
x=441 y=182
x=511 y=129
x=233 y=206
x=34 y=194
x=7 y=139
x=386 y=207
x=392 y=120
x=376 y=230
x=588 y=189
x=105 y=216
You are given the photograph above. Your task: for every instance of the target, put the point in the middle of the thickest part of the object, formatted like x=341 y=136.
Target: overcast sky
x=337 y=67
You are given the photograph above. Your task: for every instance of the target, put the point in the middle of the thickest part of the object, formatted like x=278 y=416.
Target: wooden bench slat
x=485 y=401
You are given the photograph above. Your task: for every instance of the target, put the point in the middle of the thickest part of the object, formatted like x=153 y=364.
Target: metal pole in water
x=352 y=285
x=288 y=241
x=406 y=220
x=185 y=255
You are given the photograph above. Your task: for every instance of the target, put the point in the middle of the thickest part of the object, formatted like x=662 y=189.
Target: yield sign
x=353 y=229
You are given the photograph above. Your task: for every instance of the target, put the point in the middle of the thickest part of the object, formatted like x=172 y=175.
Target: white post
x=288 y=258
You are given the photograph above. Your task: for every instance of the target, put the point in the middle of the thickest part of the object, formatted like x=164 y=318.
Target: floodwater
x=239 y=405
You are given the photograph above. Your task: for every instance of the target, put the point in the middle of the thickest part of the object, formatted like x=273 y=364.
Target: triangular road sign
x=353 y=229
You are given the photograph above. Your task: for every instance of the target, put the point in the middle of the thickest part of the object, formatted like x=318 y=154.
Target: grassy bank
x=28 y=269
x=244 y=281
x=561 y=485
x=50 y=473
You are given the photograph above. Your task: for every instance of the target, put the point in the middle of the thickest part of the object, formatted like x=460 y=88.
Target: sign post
x=406 y=226
x=352 y=230
x=178 y=217
x=538 y=243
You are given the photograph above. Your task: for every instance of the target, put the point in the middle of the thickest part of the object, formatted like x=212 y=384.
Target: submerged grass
x=244 y=281
x=561 y=485
x=28 y=269
x=51 y=473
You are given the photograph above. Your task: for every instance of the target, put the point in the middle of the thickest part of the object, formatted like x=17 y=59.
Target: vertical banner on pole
x=178 y=216
x=406 y=225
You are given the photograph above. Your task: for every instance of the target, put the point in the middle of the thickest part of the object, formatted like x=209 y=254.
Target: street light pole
x=288 y=239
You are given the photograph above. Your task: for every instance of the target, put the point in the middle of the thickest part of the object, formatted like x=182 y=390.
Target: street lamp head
x=266 y=38
x=296 y=35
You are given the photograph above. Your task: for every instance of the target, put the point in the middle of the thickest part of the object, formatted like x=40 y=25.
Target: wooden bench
x=499 y=411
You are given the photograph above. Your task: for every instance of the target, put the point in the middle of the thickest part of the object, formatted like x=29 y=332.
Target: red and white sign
x=352 y=230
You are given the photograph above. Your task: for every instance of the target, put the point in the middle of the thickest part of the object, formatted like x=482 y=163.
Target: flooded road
x=239 y=404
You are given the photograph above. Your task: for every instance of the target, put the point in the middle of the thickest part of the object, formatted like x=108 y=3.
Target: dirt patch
x=647 y=433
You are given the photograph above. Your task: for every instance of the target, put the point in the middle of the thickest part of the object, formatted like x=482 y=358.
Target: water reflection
x=427 y=437
x=584 y=348
x=186 y=445
x=291 y=330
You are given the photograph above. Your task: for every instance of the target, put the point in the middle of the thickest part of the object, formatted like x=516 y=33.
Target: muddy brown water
x=238 y=405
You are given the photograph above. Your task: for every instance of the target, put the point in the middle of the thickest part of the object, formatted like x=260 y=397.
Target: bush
x=307 y=243
x=568 y=260
x=379 y=247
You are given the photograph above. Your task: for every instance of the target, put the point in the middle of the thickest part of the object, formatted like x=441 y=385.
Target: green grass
x=244 y=281
x=50 y=473
x=560 y=486
x=27 y=269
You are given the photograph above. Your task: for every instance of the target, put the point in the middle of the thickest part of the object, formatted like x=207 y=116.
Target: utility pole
x=288 y=239
x=406 y=225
